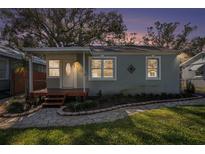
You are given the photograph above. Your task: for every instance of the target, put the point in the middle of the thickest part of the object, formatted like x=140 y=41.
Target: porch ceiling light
x=68 y=69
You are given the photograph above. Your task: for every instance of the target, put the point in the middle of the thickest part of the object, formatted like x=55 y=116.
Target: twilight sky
x=137 y=20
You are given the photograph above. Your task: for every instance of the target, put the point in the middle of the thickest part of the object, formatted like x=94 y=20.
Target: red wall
x=19 y=80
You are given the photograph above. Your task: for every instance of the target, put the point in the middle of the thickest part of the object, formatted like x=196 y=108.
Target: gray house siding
x=136 y=82
x=4 y=85
x=126 y=82
x=53 y=82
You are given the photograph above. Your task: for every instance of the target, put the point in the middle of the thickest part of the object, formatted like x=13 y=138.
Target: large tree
x=166 y=35
x=59 y=27
x=197 y=45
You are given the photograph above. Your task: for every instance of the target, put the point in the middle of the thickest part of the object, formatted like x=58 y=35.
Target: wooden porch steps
x=54 y=100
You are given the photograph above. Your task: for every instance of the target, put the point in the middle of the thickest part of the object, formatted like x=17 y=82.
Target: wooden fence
x=19 y=80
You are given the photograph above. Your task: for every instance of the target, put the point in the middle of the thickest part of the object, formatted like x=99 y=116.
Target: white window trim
x=102 y=58
x=7 y=70
x=159 y=69
x=47 y=64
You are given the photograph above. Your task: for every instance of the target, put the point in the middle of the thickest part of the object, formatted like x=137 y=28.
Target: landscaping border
x=64 y=113
x=11 y=115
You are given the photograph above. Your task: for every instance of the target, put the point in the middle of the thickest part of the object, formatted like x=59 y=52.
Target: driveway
x=48 y=117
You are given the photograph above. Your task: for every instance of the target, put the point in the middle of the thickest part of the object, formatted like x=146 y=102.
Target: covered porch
x=66 y=74
x=65 y=66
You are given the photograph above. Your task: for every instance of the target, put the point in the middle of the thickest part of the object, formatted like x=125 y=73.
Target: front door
x=69 y=74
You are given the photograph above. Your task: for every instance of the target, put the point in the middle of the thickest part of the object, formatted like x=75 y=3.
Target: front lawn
x=179 y=125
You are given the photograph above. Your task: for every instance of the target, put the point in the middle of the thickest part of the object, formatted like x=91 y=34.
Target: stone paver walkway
x=48 y=117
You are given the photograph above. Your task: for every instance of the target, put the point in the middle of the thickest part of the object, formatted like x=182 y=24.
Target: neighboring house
x=194 y=70
x=111 y=70
x=9 y=60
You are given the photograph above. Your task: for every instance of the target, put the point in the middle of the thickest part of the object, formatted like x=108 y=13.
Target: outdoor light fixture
x=68 y=69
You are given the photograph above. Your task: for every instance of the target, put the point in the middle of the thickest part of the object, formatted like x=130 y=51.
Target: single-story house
x=9 y=60
x=110 y=69
x=194 y=70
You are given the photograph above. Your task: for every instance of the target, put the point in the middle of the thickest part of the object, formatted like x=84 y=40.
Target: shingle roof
x=130 y=49
x=100 y=49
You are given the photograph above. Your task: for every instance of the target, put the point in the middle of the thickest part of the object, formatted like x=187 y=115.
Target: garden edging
x=64 y=113
x=10 y=115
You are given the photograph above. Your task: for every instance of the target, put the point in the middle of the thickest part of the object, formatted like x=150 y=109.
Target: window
x=153 y=68
x=108 y=68
x=199 y=72
x=96 y=68
x=4 y=69
x=103 y=68
x=53 y=68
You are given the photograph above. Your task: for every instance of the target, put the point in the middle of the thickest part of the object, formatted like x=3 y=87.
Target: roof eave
x=54 y=50
x=135 y=53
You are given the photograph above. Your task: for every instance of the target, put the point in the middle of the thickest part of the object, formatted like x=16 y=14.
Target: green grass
x=179 y=125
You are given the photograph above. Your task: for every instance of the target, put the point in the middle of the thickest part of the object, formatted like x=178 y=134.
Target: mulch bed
x=10 y=115
x=107 y=106
x=111 y=101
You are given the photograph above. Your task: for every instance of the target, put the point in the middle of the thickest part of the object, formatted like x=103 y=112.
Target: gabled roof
x=102 y=50
x=17 y=54
x=196 y=60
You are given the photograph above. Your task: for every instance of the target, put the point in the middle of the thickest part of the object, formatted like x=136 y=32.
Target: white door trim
x=74 y=71
x=75 y=75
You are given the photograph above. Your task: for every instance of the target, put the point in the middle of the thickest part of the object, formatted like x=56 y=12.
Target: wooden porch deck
x=64 y=92
x=56 y=97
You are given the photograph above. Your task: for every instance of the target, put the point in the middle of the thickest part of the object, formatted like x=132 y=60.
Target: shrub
x=34 y=101
x=16 y=107
x=184 y=95
x=164 y=96
x=99 y=94
x=150 y=96
x=156 y=96
x=80 y=106
x=190 y=88
x=143 y=95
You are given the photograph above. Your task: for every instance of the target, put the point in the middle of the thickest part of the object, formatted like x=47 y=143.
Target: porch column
x=30 y=74
x=83 y=71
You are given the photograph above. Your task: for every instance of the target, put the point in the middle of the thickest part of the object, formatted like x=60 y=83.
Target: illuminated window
x=108 y=68
x=153 y=68
x=96 y=67
x=102 y=68
x=53 y=68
